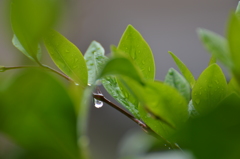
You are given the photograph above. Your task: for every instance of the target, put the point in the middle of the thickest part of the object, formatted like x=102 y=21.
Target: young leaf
x=133 y=44
x=218 y=129
x=237 y=12
x=233 y=86
x=176 y=80
x=121 y=66
x=191 y=110
x=216 y=45
x=95 y=60
x=118 y=90
x=183 y=68
x=19 y=46
x=30 y=20
x=162 y=107
x=234 y=41
x=67 y=57
x=212 y=60
x=115 y=89
x=165 y=110
x=41 y=118
x=209 y=90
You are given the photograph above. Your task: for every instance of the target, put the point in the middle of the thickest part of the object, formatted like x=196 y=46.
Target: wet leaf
x=209 y=90
x=133 y=44
x=215 y=45
x=30 y=20
x=176 y=80
x=67 y=57
x=37 y=113
x=184 y=70
x=95 y=60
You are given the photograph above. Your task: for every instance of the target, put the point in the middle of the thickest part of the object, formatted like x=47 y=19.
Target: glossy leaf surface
x=95 y=60
x=162 y=107
x=209 y=90
x=133 y=44
x=121 y=66
x=31 y=19
x=233 y=86
x=19 y=46
x=215 y=45
x=67 y=57
x=176 y=80
x=37 y=113
x=115 y=87
x=184 y=70
x=219 y=129
x=234 y=42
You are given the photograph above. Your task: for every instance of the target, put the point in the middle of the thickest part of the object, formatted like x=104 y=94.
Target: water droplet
x=216 y=81
x=89 y=84
x=149 y=69
x=169 y=148
x=75 y=66
x=98 y=103
x=76 y=60
x=165 y=145
x=76 y=84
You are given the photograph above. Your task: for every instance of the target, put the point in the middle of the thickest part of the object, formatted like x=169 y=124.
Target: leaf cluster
x=48 y=120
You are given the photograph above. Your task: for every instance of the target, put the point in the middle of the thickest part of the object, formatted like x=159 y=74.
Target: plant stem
x=146 y=128
x=42 y=66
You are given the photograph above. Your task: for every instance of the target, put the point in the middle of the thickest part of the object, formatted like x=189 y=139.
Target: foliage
x=48 y=118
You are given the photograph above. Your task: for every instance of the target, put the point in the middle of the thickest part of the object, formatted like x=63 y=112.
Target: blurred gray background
x=167 y=25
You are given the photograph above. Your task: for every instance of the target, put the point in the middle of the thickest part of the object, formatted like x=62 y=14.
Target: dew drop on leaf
x=98 y=103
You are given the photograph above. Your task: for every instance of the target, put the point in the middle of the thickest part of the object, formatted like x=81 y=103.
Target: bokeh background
x=167 y=25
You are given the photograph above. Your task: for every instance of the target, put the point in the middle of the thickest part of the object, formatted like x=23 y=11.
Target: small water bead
x=98 y=103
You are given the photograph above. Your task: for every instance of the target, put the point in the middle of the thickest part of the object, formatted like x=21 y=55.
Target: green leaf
x=192 y=111
x=209 y=90
x=234 y=41
x=37 y=113
x=215 y=45
x=67 y=57
x=121 y=66
x=30 y=20
x=133 y=44
x=233 y=86
x=237 y=12
x=95 y=60
x=19 y=46
x=218 y=129
x=176 y=80
x=183 y=68
x=212 y=60
x=162 y=107
x=115 y=89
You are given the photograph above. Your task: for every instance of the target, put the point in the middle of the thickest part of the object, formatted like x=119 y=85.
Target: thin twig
x=42 y=66
x=146 y=128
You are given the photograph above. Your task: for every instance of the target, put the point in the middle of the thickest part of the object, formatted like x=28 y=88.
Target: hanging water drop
x=76 y=84
x=98 y=103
